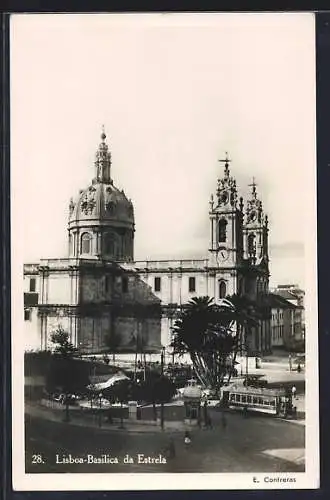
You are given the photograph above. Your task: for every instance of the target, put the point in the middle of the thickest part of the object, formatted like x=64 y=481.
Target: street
x=253 y=444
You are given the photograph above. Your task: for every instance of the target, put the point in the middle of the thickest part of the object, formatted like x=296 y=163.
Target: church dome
x=101 y=202
x=101 y=217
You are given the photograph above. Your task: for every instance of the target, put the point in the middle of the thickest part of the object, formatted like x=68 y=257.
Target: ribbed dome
x=102 y=202
x=101 y=217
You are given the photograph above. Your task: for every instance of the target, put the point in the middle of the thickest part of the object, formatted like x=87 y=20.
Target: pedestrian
x=293 y=391
x=290 y=362
x=224 y=421
x=187 y=437
x=299 y=368
x=245 y=412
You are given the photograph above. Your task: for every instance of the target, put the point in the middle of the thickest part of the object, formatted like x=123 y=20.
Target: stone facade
x=285 y=321
x=91 y=300
x=296 y=296
x=100 y=290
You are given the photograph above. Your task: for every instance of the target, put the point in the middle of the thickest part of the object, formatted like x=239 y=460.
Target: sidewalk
x=274 y=371
x=84 y=420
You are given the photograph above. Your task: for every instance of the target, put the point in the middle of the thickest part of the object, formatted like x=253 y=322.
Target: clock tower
x=226 y=241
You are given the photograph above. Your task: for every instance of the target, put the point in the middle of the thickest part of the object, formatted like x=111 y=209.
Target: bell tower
x=226 y=243
x=255 y=229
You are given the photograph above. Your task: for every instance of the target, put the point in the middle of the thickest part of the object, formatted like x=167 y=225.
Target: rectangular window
x=125 y=284
x=192 y=284
x=157 y=284
x=32 y=284
x=27 y=314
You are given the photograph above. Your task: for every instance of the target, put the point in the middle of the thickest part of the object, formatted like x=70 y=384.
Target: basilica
x=105 y=299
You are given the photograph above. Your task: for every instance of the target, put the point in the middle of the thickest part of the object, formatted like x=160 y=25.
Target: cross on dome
x=103 y=134
x=254 y=186
x=226 y=161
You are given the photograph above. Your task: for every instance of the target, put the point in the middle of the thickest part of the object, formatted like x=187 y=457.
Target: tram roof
x=256 y=390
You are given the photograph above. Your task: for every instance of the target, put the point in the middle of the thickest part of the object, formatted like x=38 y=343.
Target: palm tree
x=247 y=318
x=206 y=331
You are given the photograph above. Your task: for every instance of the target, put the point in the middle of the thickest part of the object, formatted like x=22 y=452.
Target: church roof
x=101 y=200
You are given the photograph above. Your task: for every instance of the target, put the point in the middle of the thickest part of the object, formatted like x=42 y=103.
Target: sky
x=174 y=92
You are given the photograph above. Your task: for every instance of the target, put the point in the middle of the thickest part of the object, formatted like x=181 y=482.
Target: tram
x=272 y=401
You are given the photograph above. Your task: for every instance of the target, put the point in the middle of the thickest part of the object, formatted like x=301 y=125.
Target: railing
x=168 y=264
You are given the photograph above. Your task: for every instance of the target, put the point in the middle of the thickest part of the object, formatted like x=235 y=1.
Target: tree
x=156 y=389
x=121 y=392
x=249 y=314
x=65 y=373
x=211 y=334
x=60 y=338
x=112 y=341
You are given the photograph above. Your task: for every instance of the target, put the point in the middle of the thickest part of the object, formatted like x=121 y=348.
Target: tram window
x=243 y=399
x=232 y=397
x=260 y=401
x=266 y=402
x=238 y=398
x=255 y=400
x=249 y=399
x=273 y=402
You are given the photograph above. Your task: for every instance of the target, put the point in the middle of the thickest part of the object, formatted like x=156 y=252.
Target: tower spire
x=253 y=185
x=103 y=160
x=103 y=134
x=226 y=161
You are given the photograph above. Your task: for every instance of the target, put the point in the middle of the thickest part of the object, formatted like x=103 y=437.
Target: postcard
x=164 y=286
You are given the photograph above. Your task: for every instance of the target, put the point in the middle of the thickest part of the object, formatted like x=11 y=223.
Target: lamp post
x=246 y=366
x=100 y=409
x=162 y=358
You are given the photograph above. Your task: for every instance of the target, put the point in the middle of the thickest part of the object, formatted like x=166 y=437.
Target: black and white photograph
x=163 y=226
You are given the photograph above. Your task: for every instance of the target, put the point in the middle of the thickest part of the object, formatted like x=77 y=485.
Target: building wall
x=31 y=332
x=80 y=299
x=277 y=327
x=174 y=285
x=283 y=325
x=57 y=289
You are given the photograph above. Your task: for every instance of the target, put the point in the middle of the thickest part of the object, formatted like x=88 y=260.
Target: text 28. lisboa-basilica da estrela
x=98 y=291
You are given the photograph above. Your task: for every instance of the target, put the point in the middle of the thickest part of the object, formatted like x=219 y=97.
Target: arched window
x=222 y=230
x=70 y=244
x=119 y=247
x=251 y=244
x=240 y=286
x=222 y=289
x=124 y=242
x=86 y=243
x=108 y=244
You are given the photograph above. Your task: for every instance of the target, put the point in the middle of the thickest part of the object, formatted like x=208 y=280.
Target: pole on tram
x=246 y=364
